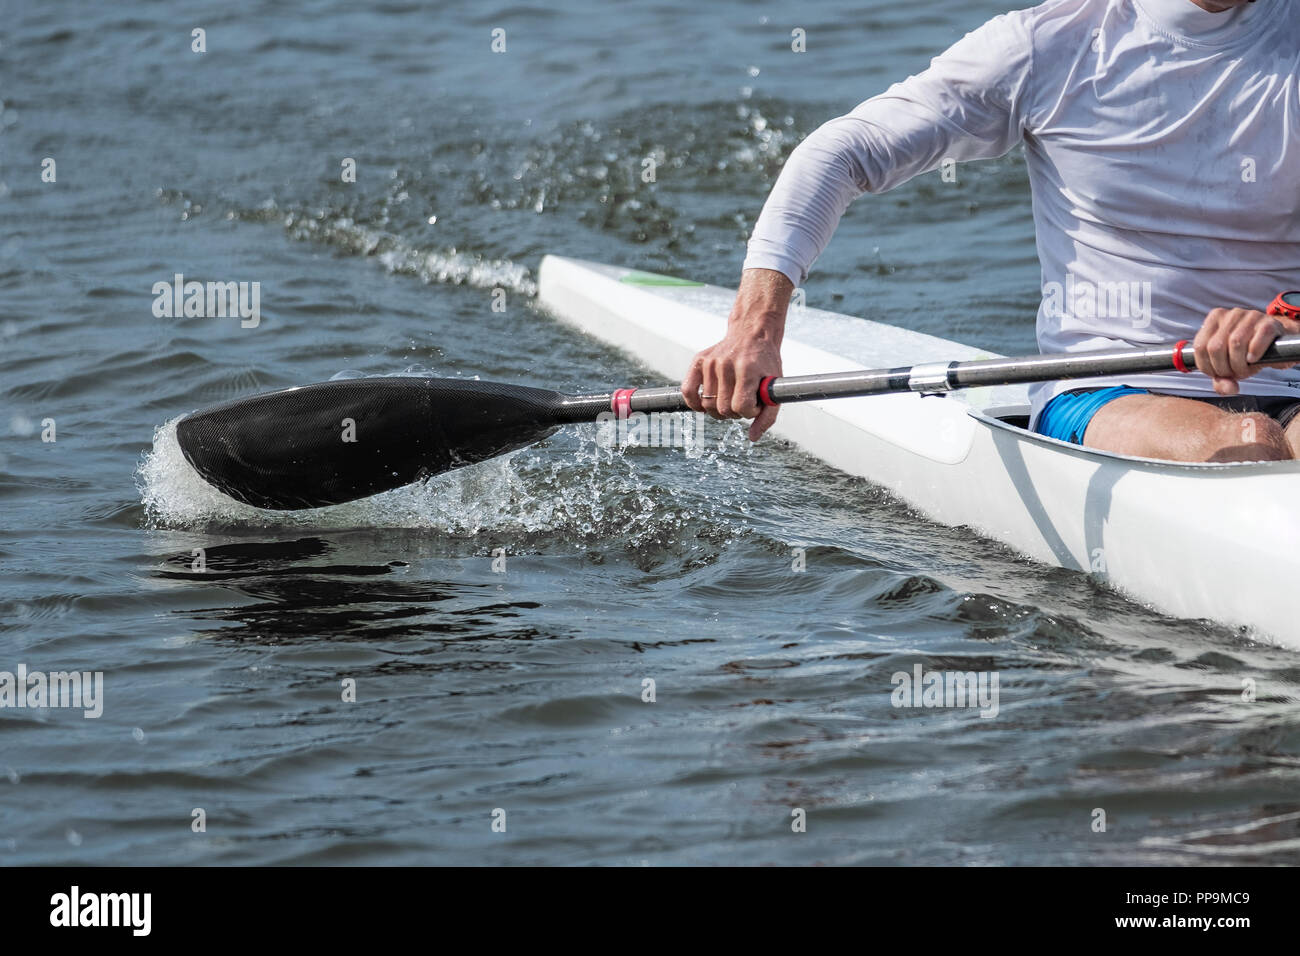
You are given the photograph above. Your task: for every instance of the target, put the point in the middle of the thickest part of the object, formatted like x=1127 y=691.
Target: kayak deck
x=1215 y=541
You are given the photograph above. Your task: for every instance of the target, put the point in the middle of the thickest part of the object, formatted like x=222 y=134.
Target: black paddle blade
x=337 y=441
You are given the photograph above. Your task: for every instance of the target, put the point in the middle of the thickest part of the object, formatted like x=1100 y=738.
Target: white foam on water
x=443 y=266
x=446 y=265
x=592 y=492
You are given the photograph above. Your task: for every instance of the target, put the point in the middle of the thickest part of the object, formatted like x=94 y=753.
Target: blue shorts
x=1067 y=415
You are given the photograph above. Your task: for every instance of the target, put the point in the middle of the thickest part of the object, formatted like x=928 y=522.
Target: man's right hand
x=723 y=379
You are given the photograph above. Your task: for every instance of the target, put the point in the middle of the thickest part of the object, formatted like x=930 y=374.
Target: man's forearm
x=804 y=207
x=761 y=305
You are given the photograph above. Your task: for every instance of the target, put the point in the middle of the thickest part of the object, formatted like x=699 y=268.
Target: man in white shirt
x=1162 y=139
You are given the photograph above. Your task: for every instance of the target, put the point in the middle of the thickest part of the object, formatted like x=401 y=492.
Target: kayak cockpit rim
x=1002 y=418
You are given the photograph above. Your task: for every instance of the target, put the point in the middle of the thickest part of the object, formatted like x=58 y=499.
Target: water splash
x=342 y=230
x=587 y=493
x=398 y=255
x=715 y=162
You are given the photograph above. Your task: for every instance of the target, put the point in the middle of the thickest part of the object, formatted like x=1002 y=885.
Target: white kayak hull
x=1211 y=541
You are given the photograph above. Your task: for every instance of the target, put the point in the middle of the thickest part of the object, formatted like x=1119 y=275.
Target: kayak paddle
x=333 y=442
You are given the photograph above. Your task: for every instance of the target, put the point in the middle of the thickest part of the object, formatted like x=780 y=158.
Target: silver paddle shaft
x=934 y=378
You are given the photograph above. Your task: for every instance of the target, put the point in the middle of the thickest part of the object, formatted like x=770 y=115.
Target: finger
x=763 y=422
x=1264 y=335
x=691 y=386
x=744 y=400
x=1202 y=341
x=709 y=396
x=726 y=389
x=1226 y=387
x=1216 y=361
x=1238 y=342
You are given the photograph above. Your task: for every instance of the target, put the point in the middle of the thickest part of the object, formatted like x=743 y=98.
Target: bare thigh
x=1293 y=437
x=1182 y=429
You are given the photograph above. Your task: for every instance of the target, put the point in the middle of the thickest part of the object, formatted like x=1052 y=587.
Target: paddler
x=1162 y=140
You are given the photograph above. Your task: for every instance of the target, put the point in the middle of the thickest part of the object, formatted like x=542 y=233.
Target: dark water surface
x=478 y=690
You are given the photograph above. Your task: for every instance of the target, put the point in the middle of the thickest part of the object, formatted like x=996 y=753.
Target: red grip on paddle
x=621 y=403
x=1178 y=357
x=764 y=395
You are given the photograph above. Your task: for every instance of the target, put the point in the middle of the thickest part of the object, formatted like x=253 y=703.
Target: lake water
x=479 y=691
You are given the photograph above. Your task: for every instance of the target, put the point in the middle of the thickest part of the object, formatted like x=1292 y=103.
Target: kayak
x=1215 y=542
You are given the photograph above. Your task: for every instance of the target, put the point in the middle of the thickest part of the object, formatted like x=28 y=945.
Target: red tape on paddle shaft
x=621 y=403
x=764 y=393
x=1178 y=357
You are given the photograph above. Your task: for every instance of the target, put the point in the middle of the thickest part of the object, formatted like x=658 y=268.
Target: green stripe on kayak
x=654 y=278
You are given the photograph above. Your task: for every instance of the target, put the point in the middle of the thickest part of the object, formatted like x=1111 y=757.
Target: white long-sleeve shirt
x=1163 y=148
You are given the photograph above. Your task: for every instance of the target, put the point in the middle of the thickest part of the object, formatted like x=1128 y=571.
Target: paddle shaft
x=929 y=378
x=337 y=441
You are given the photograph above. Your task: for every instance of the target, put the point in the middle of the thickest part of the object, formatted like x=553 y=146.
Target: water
x=522 y=691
